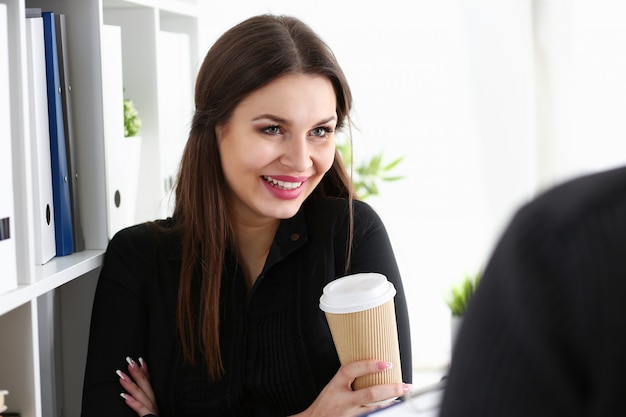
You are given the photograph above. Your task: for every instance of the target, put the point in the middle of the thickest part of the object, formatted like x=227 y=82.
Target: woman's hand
x=338 y=399
x=139 y=395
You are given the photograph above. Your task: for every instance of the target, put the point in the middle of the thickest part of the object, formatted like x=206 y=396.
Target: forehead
x=294 y=97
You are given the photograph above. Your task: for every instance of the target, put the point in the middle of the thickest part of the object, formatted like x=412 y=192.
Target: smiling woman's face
x=277 y=146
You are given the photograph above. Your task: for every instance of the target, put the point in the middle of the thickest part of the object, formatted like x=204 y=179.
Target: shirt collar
x=290 y=236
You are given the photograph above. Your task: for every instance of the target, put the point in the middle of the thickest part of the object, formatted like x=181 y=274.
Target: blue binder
x=64 y=233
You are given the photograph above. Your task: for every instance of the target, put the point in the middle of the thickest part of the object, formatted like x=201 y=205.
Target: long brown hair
x=245 y=58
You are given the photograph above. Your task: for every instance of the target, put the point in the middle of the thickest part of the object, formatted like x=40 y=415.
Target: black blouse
x=276 y=346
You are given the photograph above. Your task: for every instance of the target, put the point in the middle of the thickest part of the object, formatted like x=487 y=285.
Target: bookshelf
x=44 y=322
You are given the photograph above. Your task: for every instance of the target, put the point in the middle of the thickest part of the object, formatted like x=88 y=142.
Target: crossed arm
x=336 y=399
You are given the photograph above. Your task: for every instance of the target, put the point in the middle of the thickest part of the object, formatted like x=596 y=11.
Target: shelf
x=47 y=317
x=53 y=274
x=187 y=8
x=178 y=7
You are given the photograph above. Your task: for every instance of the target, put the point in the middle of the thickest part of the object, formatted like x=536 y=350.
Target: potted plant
x=458 y=300
x=132 y=123
x=367 y=174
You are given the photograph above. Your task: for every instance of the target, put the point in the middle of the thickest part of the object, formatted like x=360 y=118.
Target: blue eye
x=321 y=131
x=272 y=130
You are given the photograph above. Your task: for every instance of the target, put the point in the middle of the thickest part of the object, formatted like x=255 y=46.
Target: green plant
x=461 y=294
x=132 y=123
x=367 y=174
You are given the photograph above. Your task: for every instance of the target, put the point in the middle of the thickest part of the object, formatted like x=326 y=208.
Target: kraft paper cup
x=360 y=312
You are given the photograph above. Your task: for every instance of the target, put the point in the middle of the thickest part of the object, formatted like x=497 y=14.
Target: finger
x=137 y=406
x=381 y=394
x=138 y=395
x=356 y=369
x=374 y=394
x=139 y=373
x=144 y=365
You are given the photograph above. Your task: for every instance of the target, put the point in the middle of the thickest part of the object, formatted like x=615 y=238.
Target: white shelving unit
x=44 y=323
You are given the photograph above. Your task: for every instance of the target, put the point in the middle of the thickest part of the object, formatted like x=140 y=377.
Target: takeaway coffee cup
x=360 y=312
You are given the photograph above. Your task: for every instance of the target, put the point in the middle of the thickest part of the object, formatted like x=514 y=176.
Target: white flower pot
x=455 y=325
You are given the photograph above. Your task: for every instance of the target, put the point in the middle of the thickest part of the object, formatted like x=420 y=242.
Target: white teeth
x=282 y=184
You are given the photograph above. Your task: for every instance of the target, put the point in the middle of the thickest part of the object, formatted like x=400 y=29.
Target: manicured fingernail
x=120 y=374
x=131 y=362
x=141 y=362
x=384 y=365
x=124 y=396
x=407 y=387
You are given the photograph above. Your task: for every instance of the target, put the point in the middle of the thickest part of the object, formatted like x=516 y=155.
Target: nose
x=297 y=154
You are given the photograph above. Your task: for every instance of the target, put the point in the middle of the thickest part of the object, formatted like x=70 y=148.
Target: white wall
x=584 y=86
x=483 y=120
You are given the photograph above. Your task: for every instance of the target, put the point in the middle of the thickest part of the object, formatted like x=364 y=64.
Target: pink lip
x=282 y=193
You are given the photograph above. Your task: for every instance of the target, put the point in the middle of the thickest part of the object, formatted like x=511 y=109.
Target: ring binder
x=64 y=232
x=8 y=276
x=41 y=157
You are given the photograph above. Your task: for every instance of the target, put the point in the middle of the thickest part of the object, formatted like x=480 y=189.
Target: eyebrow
x=280 y=120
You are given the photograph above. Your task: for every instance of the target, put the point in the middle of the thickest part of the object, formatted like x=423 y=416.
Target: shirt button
x=295 y=237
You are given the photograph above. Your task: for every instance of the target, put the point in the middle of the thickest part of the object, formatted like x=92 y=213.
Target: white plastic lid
x=356 y=292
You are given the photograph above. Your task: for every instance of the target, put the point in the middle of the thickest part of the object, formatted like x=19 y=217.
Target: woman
x=222 y=299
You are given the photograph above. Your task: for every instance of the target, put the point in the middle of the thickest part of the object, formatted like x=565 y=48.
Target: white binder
x=120 y=194
x=44 y=239
x=176 y=105
x=8 y=266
